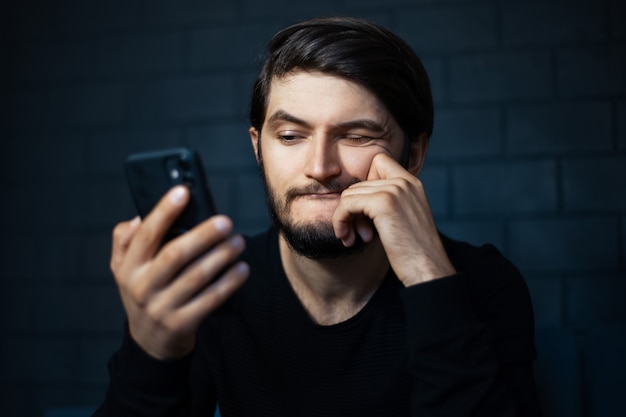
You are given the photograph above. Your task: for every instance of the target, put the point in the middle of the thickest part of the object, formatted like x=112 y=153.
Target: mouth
x=321 y=195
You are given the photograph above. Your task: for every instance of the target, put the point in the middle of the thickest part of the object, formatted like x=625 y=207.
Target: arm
x=456 y=344
x=166 y=292
x=471 y=345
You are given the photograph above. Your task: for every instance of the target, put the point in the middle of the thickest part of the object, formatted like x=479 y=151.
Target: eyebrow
x=369 y=124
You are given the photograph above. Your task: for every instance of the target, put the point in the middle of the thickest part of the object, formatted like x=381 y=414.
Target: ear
x=417 y=153
x=254 y=138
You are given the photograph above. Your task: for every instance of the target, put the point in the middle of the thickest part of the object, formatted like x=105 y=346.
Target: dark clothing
x=458 y=346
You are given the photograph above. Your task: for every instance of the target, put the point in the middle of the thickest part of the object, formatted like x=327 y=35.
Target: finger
x=202 y=272
x=179 y=252
x=364 y=227
x=383 y=166
x=150 y=235
x=214 y=295
x=122 y=235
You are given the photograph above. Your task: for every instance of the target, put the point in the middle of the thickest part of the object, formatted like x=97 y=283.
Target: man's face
x=320 y=135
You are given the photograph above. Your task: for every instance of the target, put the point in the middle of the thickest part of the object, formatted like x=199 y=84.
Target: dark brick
x=284 y=8
x=66 y=207
x=605 y=368
x=94 y=354
x=16 y=401
x=58 y=60
x=377 y=3
x=29 y=18
x=39 y=360
x=436 y=74
x=25 y=111
x=449 y=27
x=75 y=17
x=18 y=249
x=105 y=204
x=251 y=199
x=476 y=232
x=107 y=151
x=223 y=192
x=45 y=156
x=94 y=258
x=562 y=127
x=184 y=100
x=223 y=146
x=244 y=83
x=505 y=187
x=16 y=306
x=591 y=70
x=238 y=45
x=552 y=22
x=140 y=54
x=623 y=243
x=435 y=180
x=565 y=244
x=185 y=12
x=546 y=294
x=68 y=400
x=466 y=133
x=617 y=11
x=87 y=105
x=78 y=309
x=621 y=125
x=558 y=372
x=595 y=300
x=594 y=183
x=500 y=76
x=60 y=257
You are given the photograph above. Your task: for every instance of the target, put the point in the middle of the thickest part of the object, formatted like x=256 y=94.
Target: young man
x=353 y=303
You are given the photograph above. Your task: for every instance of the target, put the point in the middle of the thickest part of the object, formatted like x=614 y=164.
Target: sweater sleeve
x=141 y=386
x=470 y=351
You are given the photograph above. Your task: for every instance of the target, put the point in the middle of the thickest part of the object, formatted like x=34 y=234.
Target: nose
x=322 y=160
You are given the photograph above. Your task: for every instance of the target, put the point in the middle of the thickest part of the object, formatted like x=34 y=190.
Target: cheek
x=357 y=161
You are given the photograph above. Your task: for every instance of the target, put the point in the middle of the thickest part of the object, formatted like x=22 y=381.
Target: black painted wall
x=529 y=153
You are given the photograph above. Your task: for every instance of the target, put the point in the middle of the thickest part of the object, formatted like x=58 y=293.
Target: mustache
x=319 y=188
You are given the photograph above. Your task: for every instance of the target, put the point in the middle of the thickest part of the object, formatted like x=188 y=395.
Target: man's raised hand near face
x=393 y=200
x=167 y=291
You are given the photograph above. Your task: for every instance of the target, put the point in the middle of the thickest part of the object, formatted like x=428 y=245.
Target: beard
x=315 y=240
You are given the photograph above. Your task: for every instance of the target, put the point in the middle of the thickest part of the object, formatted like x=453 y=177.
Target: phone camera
x=175 y=174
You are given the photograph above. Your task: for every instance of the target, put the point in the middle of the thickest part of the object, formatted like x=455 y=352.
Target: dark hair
x=360 y=51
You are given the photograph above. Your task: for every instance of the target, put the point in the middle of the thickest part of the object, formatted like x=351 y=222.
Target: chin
x=318 y=241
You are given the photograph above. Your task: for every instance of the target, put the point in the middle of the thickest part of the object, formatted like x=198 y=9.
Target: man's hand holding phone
x=167 y=290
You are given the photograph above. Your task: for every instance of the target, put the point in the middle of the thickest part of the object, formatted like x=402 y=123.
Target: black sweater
x=459 y=346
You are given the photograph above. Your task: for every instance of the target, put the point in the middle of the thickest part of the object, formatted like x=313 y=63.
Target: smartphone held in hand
x=152 y=174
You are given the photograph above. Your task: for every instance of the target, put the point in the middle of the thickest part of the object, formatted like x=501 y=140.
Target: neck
x=334 y=290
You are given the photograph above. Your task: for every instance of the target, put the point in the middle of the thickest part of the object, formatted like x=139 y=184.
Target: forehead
x=323 y=98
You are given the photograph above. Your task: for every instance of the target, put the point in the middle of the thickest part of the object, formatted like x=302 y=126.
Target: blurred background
x=528 y=153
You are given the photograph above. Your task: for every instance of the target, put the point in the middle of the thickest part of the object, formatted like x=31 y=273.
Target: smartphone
x=152 y=174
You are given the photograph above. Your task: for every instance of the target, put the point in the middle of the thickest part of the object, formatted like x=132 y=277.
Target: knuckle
x=199 y=278
x=139 y=294
x=156 y=315
x=171 y=254
x=146 y=236
x=119 y=231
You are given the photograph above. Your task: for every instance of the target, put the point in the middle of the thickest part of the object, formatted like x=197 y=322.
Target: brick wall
x=529 y=152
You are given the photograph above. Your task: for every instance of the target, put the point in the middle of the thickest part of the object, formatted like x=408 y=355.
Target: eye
x=358 y=139
x=289 y=137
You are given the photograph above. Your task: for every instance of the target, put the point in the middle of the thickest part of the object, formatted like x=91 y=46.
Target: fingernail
x=178 y=194
x=243 y=267
x=135 y=222
x=221 y=224
x=237 y=242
